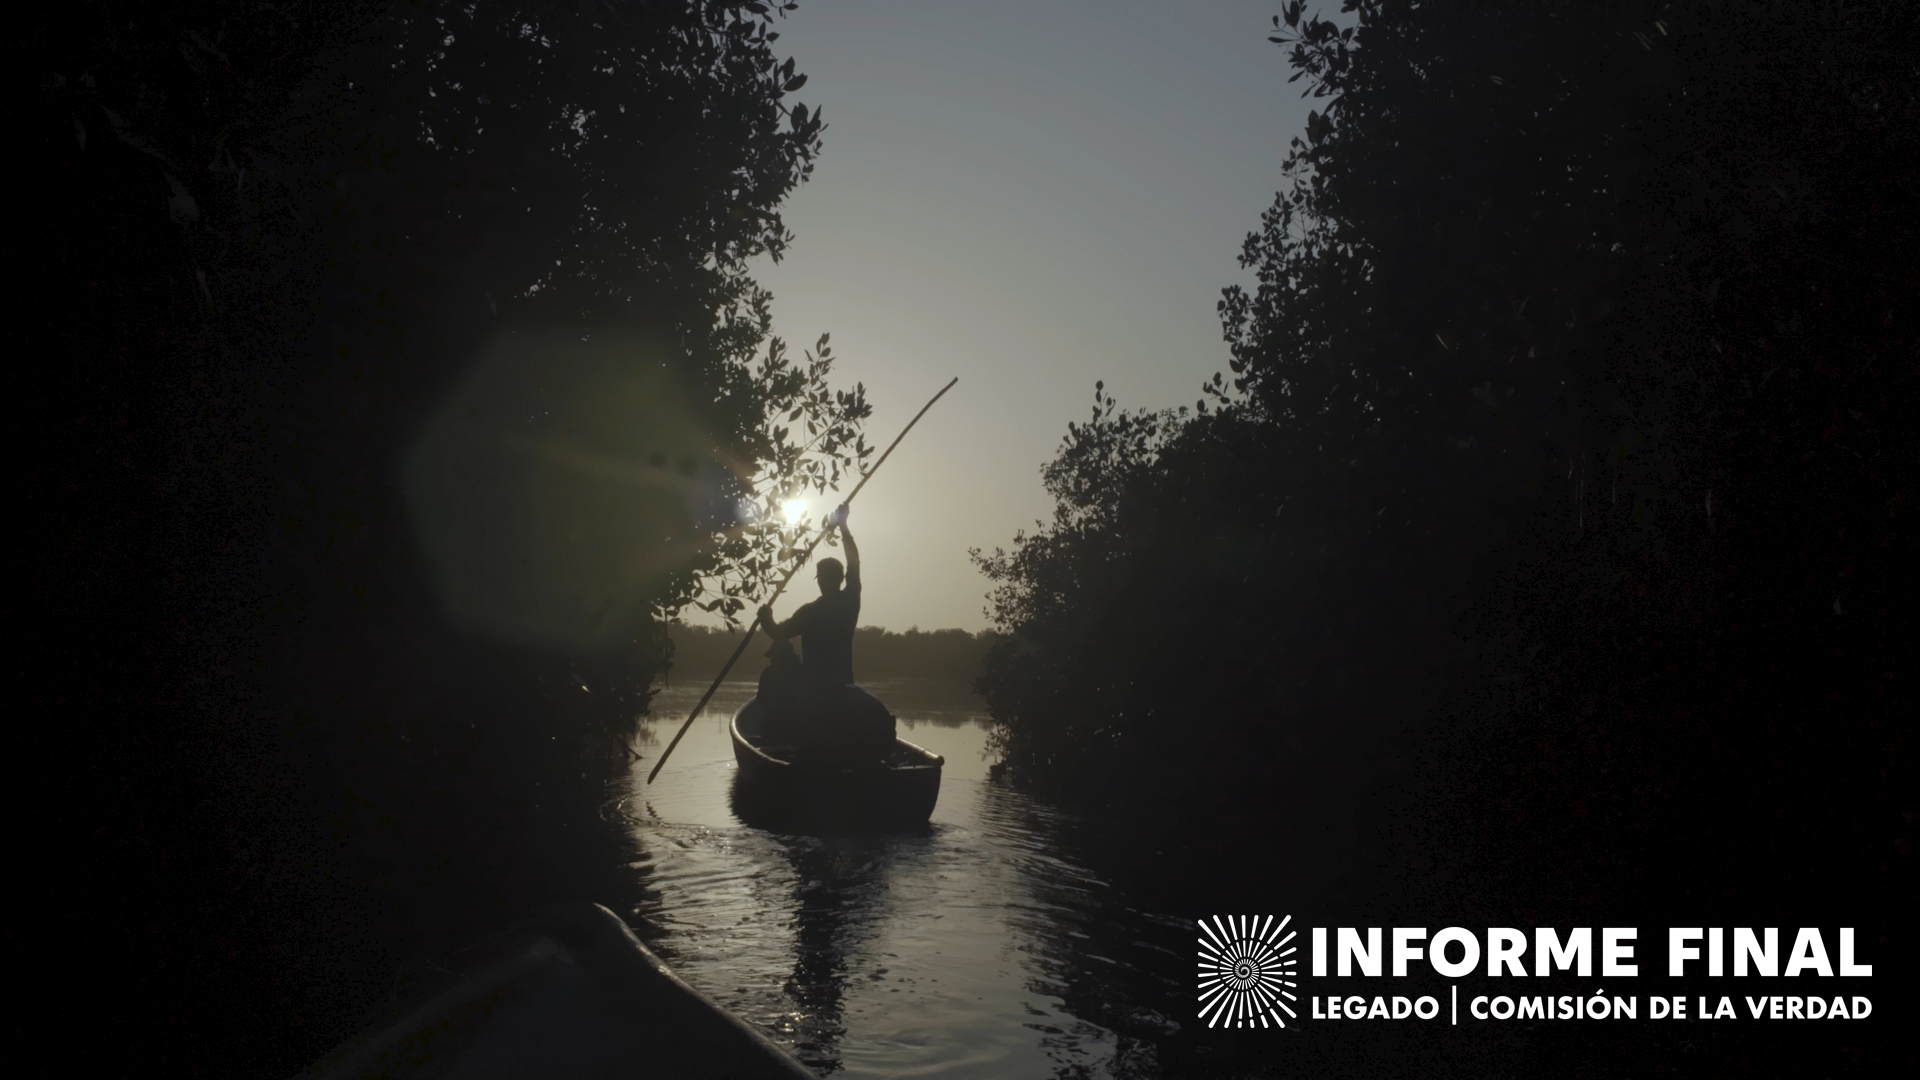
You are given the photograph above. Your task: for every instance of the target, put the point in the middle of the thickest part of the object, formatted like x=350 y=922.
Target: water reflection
x=839 y=904
x=828 y=885
x=980 y=946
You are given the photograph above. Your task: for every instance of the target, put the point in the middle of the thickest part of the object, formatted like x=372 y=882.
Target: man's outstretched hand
x=766 y=615
x=839 y=516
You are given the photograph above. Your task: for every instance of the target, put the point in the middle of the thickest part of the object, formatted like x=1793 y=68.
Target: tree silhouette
x=268 y=242
x=1562 y=447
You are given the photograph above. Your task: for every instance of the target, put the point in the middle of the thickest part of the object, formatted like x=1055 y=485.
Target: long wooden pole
x=741 y=648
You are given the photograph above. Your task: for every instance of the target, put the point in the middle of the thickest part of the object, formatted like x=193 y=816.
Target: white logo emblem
x=1246 y=968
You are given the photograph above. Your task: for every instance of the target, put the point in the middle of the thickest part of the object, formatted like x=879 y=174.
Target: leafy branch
x=808 y=438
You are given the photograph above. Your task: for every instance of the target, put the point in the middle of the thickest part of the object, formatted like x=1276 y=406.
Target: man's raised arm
x=846 y=537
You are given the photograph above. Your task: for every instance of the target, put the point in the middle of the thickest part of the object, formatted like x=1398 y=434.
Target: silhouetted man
x=825 y=626
x=836 y=722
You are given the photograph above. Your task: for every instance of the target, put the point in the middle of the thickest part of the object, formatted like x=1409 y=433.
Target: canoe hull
x=571 y=993
x=898 y=793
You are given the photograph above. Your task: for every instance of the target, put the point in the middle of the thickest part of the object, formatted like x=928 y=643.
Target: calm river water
x=979 y=947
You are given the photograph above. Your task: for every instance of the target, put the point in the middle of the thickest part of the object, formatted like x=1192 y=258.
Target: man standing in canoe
x=825 y=626
x=830 y=719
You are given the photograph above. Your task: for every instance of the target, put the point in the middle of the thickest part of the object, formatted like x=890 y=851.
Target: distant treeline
x=878 y=653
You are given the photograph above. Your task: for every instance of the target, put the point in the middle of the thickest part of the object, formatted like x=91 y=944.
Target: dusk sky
x=1030 y=195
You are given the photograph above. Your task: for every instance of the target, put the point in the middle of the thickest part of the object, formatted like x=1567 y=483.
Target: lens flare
x=795 y=509
x=559 y=488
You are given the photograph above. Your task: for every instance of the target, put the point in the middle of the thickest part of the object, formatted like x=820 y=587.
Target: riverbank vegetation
x=266 y=242
x=1554 y=500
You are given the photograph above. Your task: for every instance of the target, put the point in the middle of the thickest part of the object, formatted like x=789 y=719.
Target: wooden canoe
x=898 y=791
x=570 y=994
